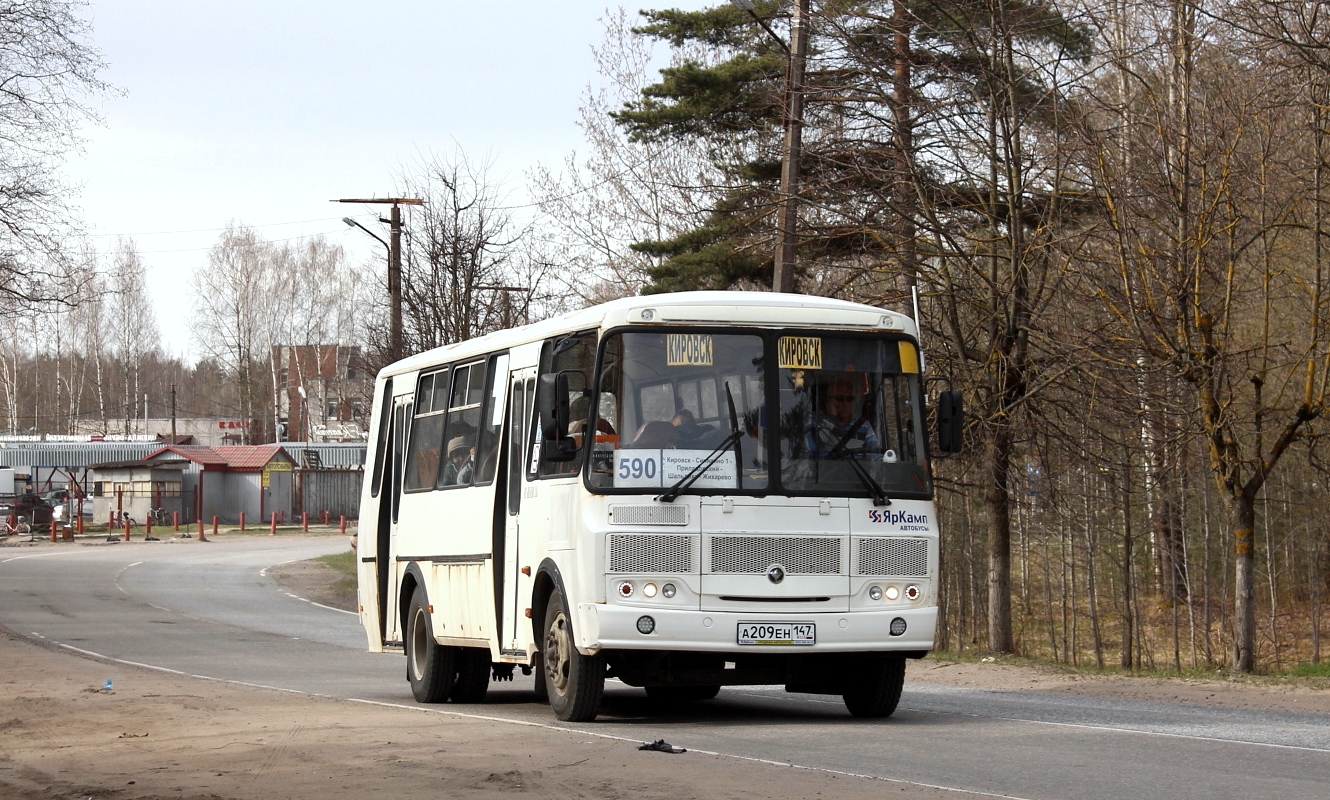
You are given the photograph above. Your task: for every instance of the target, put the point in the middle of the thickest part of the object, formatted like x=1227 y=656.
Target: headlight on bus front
x=668 y=590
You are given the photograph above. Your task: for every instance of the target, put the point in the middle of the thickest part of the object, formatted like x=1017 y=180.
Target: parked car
x=62 y=513
x=29 y=506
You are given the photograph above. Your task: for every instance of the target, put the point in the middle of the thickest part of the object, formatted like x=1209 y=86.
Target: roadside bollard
x=202 y=537
x=242 y=521
x=325 y=514
x=126 y=529
x=304 y=521
x=80 y=525
x=175 y=520
x=147 y=528
x=272 y=529
x=341 y=525
x=52 y=530
x=214 y=524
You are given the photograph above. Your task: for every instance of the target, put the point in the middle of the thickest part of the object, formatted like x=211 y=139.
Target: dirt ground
x=157 y=736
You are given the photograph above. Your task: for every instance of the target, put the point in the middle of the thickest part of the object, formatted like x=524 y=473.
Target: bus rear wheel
x=430 y=667
x=875 y=689
x=574 y=682
x=473 y=675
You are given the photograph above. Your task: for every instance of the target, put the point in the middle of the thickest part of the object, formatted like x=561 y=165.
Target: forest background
x=1109 y=213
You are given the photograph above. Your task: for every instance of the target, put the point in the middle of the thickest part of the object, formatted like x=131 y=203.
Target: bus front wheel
x=875 y=688
x=430 y=667
x=574 y=682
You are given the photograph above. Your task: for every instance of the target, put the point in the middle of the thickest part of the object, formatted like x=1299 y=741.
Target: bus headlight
x=649 y=590
x=875 y=592
x=625 y=589
x=893 y=593
x=668 y=590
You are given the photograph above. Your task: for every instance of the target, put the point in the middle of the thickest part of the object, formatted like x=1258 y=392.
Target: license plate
x=775 y=633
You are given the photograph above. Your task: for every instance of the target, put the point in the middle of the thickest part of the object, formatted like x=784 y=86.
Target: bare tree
x=459 y=247
x=48 y=72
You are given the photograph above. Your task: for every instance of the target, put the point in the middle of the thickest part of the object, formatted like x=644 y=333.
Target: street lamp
x=394 y=262
x=782 y=278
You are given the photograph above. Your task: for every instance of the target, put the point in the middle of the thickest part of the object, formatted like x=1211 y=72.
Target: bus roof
x=756 y=309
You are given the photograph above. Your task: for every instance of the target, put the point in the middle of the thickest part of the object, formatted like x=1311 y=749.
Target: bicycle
x=18 y=524
x=160 y=516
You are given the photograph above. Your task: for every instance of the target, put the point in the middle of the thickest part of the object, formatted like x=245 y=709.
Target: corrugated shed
x=199 y=454
x=66 y=455
x=336 y=491
x=326 y=455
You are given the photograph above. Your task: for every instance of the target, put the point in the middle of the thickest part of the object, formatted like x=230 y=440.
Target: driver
x=837 y=422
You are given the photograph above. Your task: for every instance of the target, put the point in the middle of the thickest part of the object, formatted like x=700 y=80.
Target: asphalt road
x=210 y=610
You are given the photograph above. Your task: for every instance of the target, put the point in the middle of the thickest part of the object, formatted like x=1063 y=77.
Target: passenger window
x=487 y=452
x=464 y=407
x=577 y=353
x=422 y=463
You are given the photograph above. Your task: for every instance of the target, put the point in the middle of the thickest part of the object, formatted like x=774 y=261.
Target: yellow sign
x=909 y=358
x=688 y=350
x=277 y=466
x=266 y=480
x=799 y=352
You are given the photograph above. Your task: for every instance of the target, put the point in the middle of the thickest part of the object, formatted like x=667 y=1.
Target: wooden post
x=126 y=528
x=79 y=524
x=272 y=530
x=175 y=520
x=242 y=520
x=53 y=530
x=214 y=524
x=304 y=521
x=342 y=525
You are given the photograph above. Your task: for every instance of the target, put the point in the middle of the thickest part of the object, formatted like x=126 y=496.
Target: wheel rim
x=419 y=646
x=558 y=651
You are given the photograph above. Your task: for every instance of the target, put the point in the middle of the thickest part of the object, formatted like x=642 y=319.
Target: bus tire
x=542 y=691
x=473 y=675
x=574 y=682
x=430 y=667
x=682 y=694
x=875 y=689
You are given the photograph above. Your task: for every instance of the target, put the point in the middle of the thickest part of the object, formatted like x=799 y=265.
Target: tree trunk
x=997 y=503
x=1242 y=518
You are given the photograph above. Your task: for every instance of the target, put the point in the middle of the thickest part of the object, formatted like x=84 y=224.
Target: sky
x=262 y=112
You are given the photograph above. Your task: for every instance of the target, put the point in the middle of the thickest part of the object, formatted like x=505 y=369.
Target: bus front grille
x=651 y=553
x=797 y=555
x=896 y=557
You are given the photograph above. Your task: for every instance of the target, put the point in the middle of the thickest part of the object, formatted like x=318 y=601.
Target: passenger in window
x=837 y=431
x=687 y=427
x=461 y=463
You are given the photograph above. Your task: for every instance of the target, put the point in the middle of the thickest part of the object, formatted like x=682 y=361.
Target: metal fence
x=336 y=491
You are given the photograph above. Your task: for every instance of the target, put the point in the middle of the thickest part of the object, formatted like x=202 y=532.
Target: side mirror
x=950 y=421
x=555 y=398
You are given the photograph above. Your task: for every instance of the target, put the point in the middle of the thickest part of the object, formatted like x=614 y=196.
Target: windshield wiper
x=702 y=466
x=874 y=488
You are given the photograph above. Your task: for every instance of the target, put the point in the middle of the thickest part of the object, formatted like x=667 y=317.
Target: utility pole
x=394 y=246
x=173 y=415
x=792 y=118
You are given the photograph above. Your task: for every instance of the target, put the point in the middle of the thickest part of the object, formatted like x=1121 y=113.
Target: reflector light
x=645 y=625
x=625 y=589
x=912 y=592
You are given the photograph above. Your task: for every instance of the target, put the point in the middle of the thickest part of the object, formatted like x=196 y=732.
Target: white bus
x=680 y=492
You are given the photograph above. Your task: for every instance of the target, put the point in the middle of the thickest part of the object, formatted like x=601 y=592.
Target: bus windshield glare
x=849 y=422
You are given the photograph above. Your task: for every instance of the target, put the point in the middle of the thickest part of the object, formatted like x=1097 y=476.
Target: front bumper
x=607 y=627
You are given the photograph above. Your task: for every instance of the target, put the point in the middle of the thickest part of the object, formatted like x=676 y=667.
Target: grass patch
x=344 y=562
x=1310 y=671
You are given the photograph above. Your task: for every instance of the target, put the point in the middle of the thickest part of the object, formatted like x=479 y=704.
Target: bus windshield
x=849 y=420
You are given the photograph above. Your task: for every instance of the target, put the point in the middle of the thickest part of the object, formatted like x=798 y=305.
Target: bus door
x=387 y=529
x=521 y=407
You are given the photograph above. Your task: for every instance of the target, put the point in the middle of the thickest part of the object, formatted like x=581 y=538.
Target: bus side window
x=487 y=451
x=422 y=462
x=518 y=414
x=576 y=353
